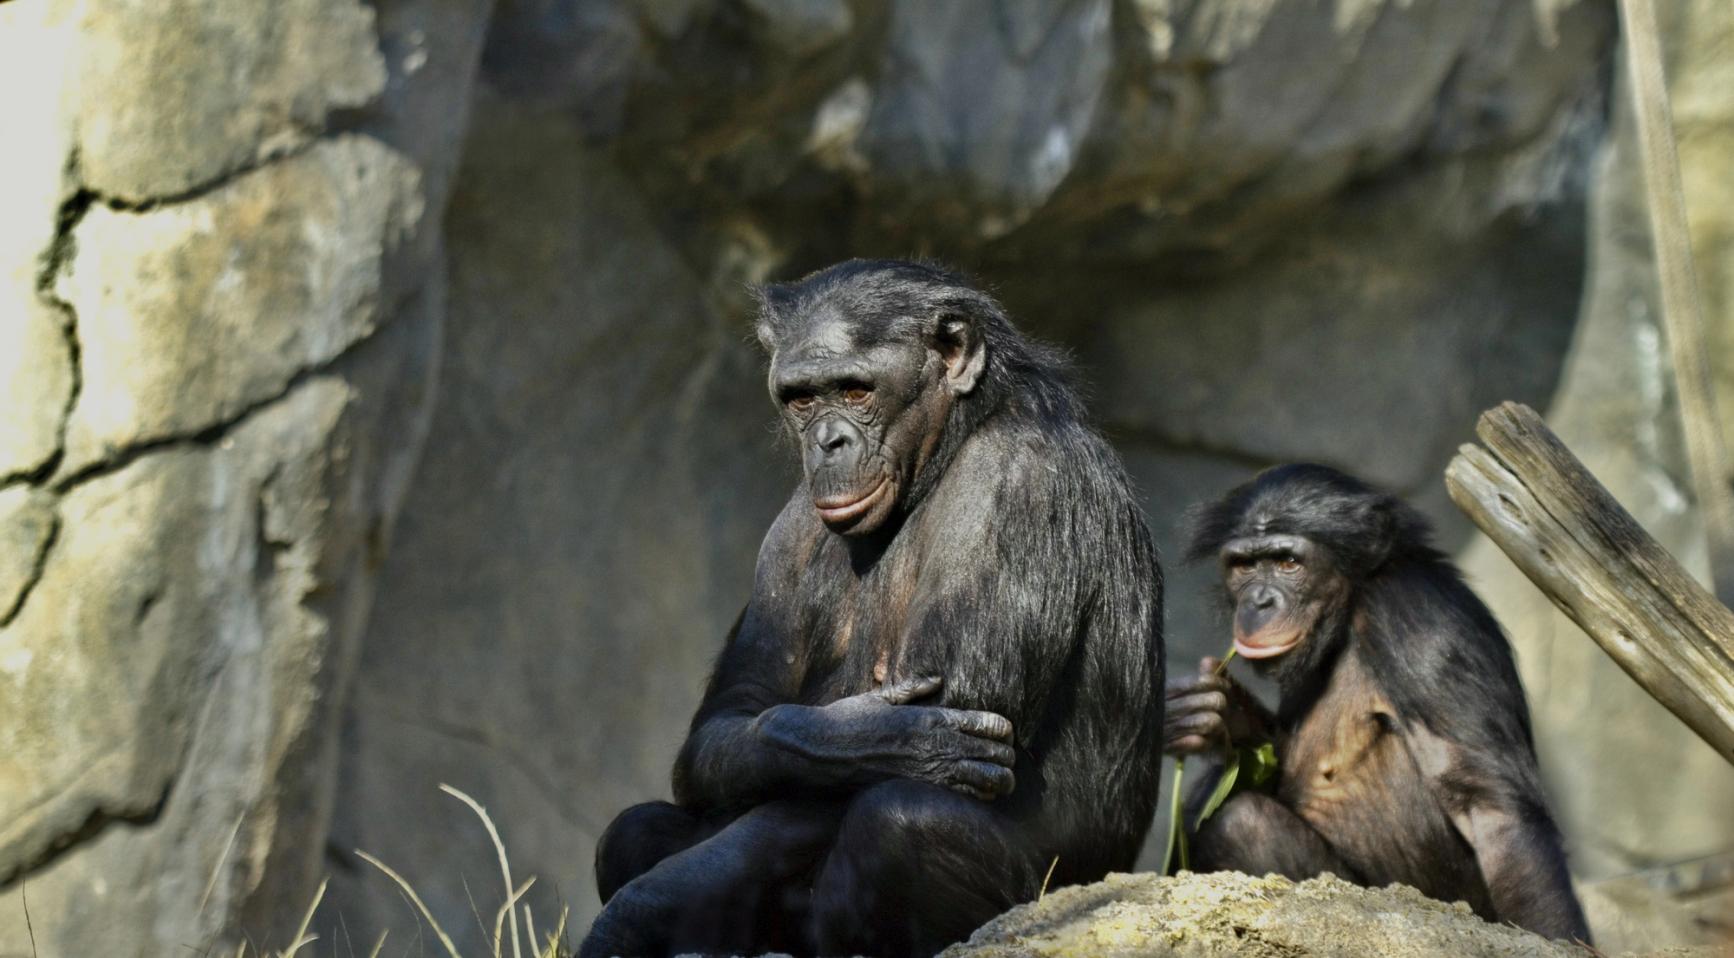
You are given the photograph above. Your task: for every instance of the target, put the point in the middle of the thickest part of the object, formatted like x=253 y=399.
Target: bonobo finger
x=1198 y=702
x=904 y=691
x=987 y=750
x=1208 y=665
x=1198 y=723
x=1188 y=745
x=983 y=724
x=971 y=791
x=1181 y=685
x=986 y=780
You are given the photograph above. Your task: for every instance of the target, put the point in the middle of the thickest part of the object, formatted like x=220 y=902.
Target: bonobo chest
x=851 y=618
x=1348 y=771
x=873 y=612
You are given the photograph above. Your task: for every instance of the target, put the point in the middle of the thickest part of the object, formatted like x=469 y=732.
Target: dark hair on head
x=888 y=298
x=1358 y=523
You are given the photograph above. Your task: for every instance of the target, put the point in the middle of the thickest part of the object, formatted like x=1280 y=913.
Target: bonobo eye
x=858 y=394
x=1287 y=564
x=800 y=402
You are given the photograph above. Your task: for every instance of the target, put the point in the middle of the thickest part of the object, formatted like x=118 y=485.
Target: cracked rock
x=149 y=586
x=36 y=373
x=173 y=95
x=35 y=381
x=26 y=524
x=192 y=313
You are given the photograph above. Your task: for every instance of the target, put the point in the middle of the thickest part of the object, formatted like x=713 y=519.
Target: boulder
x=1229 y=913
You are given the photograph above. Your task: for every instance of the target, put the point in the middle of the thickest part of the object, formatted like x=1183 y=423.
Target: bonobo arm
x=737 y=759
x=751 y=741
x=1496 y=803
x=1523 y=863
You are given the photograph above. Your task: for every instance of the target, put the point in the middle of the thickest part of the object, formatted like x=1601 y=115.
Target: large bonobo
x=948 y=677
x=1402 y=736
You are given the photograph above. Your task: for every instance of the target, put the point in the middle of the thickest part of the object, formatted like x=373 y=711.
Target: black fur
x=1019 y=570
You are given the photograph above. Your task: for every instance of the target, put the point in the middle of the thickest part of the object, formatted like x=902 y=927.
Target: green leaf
x=1176 y=833
x=1263 y=762
x=1224 y=787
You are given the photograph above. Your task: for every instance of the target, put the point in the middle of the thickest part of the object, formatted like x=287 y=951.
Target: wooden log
x=1539 y=504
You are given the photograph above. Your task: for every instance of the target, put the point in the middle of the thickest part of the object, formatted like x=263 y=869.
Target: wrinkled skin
x=1402 y=735
x=867 y=419
x=947 y=678
x=1285 y=600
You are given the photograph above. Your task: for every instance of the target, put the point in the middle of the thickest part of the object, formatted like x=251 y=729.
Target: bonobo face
x=1281 y=587
x=866 y=416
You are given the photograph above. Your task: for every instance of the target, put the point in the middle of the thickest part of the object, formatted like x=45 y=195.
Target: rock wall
x=220 y=329
x=253 y=253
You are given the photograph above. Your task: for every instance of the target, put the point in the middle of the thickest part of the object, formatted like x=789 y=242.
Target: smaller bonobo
x=1402 y=736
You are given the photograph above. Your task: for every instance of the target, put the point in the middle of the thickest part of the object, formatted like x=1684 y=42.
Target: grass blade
x=500 y=849
x=445 y=939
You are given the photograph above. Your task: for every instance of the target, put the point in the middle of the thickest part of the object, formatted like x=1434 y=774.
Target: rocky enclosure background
x=377 y=407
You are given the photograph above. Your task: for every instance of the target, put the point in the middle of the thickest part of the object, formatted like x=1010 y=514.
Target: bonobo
x=948 y=677
x=1402 y=736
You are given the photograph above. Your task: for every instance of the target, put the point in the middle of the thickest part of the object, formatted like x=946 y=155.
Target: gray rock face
x=248 y=624
x=35 y=380
x=170 y=97
x=27 y=524
x=275 y=273
x=219 y=330
x=579 y=334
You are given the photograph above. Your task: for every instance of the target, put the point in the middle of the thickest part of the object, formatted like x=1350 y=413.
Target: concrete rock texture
x=252 y=253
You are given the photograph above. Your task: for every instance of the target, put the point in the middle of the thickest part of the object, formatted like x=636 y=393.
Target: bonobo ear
x=1382 y=518
x=960 y=345
x=776 y=301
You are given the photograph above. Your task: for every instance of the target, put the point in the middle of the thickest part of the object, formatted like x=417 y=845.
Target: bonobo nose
x=832 y=437
x=1264 y=598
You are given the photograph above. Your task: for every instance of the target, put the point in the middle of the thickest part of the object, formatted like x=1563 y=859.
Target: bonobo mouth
x=1265 y=645
x=844 y=509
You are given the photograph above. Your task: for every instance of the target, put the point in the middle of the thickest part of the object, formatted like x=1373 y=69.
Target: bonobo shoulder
x=790 y=543
x=1070 y=460
x=1017 y=451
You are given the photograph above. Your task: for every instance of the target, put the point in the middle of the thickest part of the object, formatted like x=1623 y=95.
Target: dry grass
x=508 y=936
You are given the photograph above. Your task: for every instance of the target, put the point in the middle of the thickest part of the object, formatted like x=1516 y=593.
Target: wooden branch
x=1706 y=456
x=1537 y=502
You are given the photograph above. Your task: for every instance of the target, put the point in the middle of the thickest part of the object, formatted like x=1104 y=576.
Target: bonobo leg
x=730 y=893
x=917 y=867
x=639 y=838
x=1256 y=834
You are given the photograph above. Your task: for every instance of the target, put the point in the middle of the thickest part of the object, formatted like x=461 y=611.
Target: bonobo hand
x=1207 y=710
x=881 y=734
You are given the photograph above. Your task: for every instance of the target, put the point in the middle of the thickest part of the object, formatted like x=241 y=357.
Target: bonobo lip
x=1265 y=650
x=841 y=510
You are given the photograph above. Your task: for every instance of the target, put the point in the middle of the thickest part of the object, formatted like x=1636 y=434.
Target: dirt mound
x=1227 y=913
